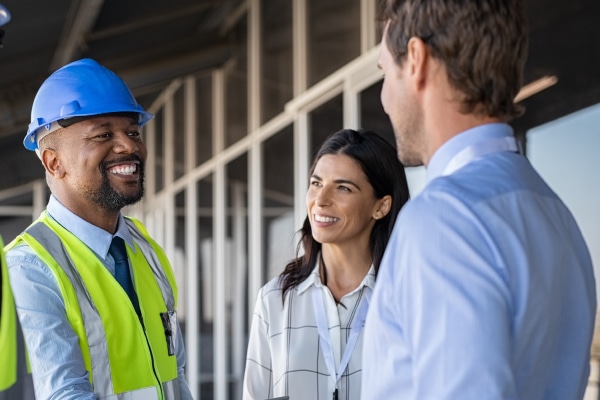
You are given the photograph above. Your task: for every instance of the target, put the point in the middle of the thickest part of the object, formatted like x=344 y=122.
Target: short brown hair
x=482 y=43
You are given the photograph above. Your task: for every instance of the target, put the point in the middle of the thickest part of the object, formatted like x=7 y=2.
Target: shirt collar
x=314 y=279
x=97 y=239
x=442 y=157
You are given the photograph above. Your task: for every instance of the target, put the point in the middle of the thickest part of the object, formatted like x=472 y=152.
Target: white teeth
x=320 y=218
x=124 y=169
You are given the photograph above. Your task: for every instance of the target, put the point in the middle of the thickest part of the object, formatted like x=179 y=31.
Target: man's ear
x=383 y=208
x=417 y=59
x=51 y=162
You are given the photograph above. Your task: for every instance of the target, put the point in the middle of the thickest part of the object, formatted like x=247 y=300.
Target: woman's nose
x=323 y=197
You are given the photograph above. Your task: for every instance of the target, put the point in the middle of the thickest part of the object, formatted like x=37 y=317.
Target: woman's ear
x=383 y=207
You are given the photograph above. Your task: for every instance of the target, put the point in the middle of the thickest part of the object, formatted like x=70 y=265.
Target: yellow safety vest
x=8 y=330
x=127 y=357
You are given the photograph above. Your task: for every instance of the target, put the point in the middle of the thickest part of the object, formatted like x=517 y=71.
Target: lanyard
x=465 y=156
x=357 y=324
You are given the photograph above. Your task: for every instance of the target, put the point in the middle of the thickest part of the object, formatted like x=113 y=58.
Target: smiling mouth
x=321 y=218
x=125 y=170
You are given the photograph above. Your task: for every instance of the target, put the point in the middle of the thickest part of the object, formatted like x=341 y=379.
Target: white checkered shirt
x=284 y=354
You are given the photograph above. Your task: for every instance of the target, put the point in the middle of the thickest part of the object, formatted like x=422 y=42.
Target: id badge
x=169 y=321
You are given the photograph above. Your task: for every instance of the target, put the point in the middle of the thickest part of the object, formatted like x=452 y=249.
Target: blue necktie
x=122 y=275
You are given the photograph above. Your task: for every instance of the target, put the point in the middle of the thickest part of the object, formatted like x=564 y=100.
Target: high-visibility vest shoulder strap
x=160 y=263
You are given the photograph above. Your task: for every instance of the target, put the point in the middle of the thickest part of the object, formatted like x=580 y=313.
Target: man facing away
x=486 y=290
x=94 y=293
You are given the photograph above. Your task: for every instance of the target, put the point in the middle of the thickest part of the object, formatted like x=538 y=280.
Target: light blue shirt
x=56 y=361
x=486 y=289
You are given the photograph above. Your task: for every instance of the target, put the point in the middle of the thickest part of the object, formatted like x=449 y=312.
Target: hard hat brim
x=31 y=143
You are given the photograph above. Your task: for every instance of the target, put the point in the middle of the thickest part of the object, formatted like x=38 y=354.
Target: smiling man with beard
x=95 y=294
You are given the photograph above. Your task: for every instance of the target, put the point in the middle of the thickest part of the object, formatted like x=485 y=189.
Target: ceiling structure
x=147 y=42
x=150 y=42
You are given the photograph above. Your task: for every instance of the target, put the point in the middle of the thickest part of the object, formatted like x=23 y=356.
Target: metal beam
x=80 y=21
x=152 y=20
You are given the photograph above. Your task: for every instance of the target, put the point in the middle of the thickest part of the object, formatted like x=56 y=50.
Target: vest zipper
x=162 y=392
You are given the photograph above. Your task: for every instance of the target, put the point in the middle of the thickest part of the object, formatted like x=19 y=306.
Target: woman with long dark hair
x=306 y=336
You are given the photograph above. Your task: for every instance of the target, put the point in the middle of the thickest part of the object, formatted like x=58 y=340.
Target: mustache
x=128 y=158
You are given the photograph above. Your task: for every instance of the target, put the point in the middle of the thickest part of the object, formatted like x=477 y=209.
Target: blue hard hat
x=4 y=15
x=82 y=88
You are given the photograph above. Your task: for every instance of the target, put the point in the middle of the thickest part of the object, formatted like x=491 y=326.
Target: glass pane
x=325 y=120
x=203 y=112
x=178 y=260
x=236 y=81
x=11 y=227
x=565 y=153
x=372 y=115
x=236 y=267
x=179 y=133
x=333 y=36
x=17 y=166
x=379 y=25
x=205 y=284
x=374 y=118
x=159 y=159
x=13 y=224
x=278 y=202
x=277 y=57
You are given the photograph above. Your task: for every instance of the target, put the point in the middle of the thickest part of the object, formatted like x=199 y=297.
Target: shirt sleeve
x=258 y=376
x=57 y=365
x=184 y=390
x=445 y=299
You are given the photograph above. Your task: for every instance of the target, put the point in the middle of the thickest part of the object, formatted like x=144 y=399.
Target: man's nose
x=123 y=143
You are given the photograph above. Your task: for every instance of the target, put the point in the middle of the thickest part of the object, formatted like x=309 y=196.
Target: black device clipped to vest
x=169 y=324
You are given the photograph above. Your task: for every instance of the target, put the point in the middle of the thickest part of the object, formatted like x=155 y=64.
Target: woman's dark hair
x=385 y=173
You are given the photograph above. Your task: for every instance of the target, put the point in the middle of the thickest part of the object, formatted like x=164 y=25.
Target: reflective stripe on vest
x=171 y=389
x=8 y=330
x=159 y=273
x=94 y=329
x=95 y=334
